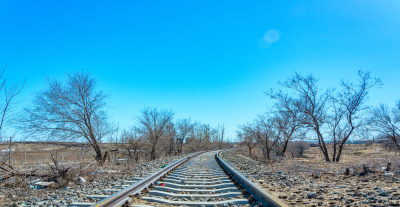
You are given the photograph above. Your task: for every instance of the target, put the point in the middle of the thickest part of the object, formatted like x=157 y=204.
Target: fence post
x=9 y=152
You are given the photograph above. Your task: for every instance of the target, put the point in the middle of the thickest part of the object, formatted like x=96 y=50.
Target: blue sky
x=208 y=60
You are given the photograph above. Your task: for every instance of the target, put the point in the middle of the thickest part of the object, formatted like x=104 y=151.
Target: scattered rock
x=47 y=195
x=311 y=195
x=322 y=184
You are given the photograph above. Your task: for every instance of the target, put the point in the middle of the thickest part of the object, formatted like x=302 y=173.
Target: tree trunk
x=268 y=152
x=136 y=154
x=394 y=139
x=137 y=157
x=179 y=148
x=250 y=148
x=103 y=160
x=341 y=146
x=99 y=158
x=153 y=153
x=285 y=144
x=322 y=145
x=325 y=152
x=334 y=150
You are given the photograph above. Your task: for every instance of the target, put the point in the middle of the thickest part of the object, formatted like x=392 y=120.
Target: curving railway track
x=201 y=179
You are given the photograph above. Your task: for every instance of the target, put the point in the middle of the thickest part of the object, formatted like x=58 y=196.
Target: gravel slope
x=303 y=185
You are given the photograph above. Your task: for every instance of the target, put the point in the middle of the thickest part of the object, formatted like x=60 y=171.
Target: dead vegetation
x=24 y=173
x=48 y=168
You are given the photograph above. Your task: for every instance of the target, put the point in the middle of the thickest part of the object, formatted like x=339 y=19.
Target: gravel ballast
x=299 y=184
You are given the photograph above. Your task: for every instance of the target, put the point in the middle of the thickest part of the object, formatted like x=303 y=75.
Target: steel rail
x=135 y=189
x=264 y=198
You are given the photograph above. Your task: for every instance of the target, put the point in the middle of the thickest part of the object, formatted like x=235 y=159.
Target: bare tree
x=151 y=126
x=170 y=135
x=219 y=136
x=288 y=126
x=8 y=94
x=265 y=134
x=133 y=144
x=348 y=105
x=338 y=113
x=70 y=111
x=201 y=137
x=184 y=128
x=205 y=134
x=307 y=104
x=387 y=123
x=246 y=137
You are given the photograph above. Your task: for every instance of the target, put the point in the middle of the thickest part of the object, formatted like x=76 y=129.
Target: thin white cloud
x=271 y=36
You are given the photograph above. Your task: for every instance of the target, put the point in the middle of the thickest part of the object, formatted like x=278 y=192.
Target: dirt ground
x=310 y=181
x=32 y=162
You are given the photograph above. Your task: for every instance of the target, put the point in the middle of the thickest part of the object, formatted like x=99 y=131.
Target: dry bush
x=298 y=148
x=62 y=174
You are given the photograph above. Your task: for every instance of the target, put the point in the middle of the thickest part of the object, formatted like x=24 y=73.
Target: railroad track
x=201 y=179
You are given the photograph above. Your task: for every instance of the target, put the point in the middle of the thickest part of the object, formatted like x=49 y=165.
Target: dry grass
x=33 y=161
x=36 y=154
